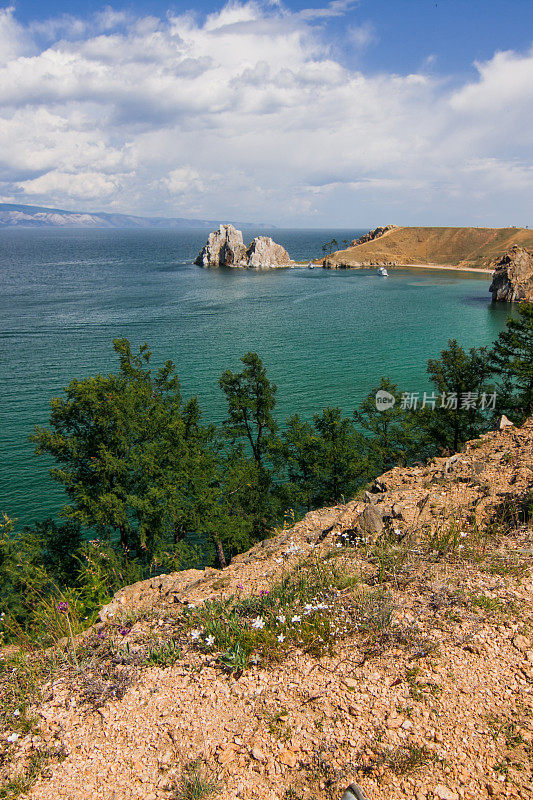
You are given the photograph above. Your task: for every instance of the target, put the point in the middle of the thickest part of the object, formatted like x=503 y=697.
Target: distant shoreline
x=448 y=267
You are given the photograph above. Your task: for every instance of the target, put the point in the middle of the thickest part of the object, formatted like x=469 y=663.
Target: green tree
x=340 y=464
x=251 y=399
x=391 y=433
x=460 y=377
x=512 y=359
x=298 y=452
x=124 y=444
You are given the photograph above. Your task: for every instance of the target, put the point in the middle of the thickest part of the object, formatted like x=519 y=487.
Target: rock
x=288 y=758
x=443 y=793
x=370 y=523
x=521 y=643
x=226 y=248
x=371 y=235
x=512 y=278
x=394 y=720
x=505 y=422
x=354 y=792
x=264 y=252
x=258 y=754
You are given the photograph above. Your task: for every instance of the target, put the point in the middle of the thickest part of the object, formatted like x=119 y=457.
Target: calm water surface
x=326 y=337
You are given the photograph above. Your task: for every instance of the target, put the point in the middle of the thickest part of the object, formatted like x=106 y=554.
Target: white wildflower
x=258 y=623
x=210 y=640
x=281 y=638
x=13 y=737
x=281 y=618
x=16 y=713
x=296 y=618
x=195 y=635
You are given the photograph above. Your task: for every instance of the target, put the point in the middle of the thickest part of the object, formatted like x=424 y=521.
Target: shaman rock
x=265 y=252
x=225 y=248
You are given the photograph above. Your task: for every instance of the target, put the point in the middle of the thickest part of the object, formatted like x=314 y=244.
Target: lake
x=326 y=337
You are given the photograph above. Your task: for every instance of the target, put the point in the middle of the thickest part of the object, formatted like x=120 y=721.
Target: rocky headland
x=405 y=662
x=506 y=253
x=225 y=248
x=512 y=279
x=453 y=247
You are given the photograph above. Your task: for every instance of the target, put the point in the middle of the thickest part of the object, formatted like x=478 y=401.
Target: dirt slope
x=462 y=247
x=433 y=702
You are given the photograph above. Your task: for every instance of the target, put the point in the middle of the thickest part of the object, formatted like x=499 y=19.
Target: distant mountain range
x=13 y=215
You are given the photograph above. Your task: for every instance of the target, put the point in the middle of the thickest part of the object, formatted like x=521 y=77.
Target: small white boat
x=383 y=272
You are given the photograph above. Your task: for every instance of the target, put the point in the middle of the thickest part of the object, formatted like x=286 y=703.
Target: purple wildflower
x=62 y=607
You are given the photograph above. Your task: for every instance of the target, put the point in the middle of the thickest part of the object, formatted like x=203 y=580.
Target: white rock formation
x=225 y=248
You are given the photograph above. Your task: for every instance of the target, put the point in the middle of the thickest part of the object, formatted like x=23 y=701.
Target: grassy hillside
x=466 y=247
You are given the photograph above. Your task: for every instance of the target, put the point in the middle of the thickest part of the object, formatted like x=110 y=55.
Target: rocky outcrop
x=371 y=235
x=512 y=279
x=265 y=252
x=226 y=248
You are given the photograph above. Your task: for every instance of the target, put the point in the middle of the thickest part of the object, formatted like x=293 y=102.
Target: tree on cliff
x=461 y=410
x=391 y=433
x=512 y=359
x=251 y=399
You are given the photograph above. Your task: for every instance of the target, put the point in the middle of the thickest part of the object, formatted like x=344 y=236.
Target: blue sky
x=301 y=113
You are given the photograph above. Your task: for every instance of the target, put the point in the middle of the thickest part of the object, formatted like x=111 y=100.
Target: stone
x=354 y=792
x=264 y=252
x=370 y=523
x=225 y=248
x=505 y=422
x=288 y=758
x=521 y=643
x=444 y=793
x=258 y=754
x=512 y=279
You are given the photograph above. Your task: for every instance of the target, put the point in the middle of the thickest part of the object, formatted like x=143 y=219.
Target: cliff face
x=457 y=247
x=513 y=276
x=225 y=248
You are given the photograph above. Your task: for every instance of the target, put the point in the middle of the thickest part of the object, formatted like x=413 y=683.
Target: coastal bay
x=326 y=337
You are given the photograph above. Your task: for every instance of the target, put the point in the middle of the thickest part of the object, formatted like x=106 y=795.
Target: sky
x=348 y=113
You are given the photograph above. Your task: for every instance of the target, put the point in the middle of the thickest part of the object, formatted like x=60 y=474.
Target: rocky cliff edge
x=512 y=279
x=423 y=692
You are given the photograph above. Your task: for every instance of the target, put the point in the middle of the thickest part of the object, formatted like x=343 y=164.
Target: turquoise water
x=326 y=337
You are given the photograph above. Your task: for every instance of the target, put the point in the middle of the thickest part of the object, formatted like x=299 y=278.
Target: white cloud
x=184 y=180
x=249 y=114
x=362 y=35
x=90 y=185
x=14 y=40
